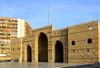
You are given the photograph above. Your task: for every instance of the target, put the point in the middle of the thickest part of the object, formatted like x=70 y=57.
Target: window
x=13 y=49
x=13 y=34
x=73 y=51
x=73 y=42
x=90 y=27
x=18 y=48
x=87 y=50
x=89 y=41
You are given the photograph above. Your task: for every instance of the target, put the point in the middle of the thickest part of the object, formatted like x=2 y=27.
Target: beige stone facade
x=74 y=44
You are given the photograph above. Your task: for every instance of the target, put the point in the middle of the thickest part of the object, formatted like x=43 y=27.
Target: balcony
x=4 y=37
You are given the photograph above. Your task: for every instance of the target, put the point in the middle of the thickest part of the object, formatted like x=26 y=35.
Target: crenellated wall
x=82 y=51
x=59 y=32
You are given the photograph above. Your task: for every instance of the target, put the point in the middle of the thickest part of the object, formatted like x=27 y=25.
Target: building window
x=73 y=42
x=73 y=51
x=90 y=27
x=13 y=49
x=2 y=44
x=18 y=48
x=89 y=41
x=87 y=50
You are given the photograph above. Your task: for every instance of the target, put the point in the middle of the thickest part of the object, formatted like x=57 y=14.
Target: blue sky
x=63 y=13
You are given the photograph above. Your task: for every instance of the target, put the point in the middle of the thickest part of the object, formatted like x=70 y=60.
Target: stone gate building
x=74 y=44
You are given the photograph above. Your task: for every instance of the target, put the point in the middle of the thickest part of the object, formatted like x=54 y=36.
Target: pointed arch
x=29 y=54
x=58 y=51
x=42 y=48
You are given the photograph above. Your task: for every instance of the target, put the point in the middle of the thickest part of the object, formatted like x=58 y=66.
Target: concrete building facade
x=11 y=28
x=74 y=44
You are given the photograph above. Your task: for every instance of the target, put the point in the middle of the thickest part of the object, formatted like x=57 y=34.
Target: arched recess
x=42 y=48
x=29 y=54
x=58 y=52
x=89 y=41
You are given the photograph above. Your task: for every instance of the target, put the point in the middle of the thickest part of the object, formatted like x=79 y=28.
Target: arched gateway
x=58 y=52
x=29 y=54
x=42 y=48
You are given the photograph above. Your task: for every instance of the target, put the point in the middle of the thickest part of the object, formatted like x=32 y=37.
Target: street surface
x=34 y=65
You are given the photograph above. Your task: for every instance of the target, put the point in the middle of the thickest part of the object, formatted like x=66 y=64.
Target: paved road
x=34 y=65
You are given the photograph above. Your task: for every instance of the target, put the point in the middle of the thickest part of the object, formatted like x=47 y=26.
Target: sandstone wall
x=15 y=49
x=82 y=51
x=86 y=37
x=60 y=35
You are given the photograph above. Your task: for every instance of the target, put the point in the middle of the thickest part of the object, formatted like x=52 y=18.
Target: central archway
x=42 y=48
x=58 y=52
x=29 y=54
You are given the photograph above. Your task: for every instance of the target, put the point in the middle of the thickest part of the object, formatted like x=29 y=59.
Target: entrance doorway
x=29 y=54
x=42 y=48
x=58 y=52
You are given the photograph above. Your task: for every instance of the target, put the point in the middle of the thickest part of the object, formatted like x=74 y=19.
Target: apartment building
x=11 y=28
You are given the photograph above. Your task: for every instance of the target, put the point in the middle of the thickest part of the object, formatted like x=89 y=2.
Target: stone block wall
x=15 y=49
x=82 y=51
x=47 y=30
x=81 y=43
x=98 y=42
x=60 y=35
x=27 y=41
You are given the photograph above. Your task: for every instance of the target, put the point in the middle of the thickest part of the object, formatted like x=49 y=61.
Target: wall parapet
x=41 y=28
x=16 y=40
x=94 y=21
x=59 y=32
x=28 y=39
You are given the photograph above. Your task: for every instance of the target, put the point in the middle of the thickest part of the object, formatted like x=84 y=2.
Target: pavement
x=95 y=65
x=35 y=65
x=46 y=65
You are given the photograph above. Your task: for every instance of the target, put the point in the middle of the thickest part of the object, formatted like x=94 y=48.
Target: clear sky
x=63 y=13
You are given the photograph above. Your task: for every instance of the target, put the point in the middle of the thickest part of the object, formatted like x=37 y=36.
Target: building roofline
x=7 y=18
x=28 y=23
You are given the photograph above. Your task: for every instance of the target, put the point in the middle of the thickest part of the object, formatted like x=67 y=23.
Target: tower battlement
x=82 y=24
